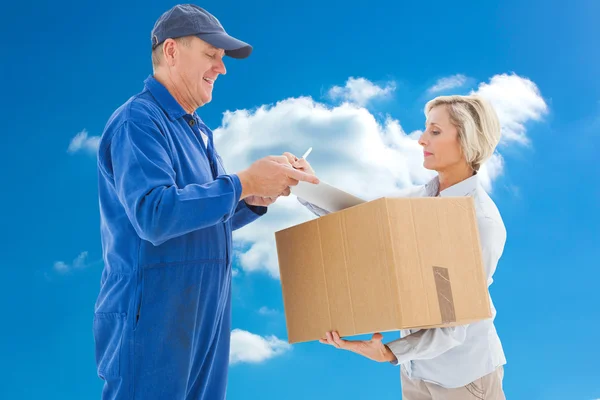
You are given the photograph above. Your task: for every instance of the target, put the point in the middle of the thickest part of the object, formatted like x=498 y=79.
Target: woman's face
x=441 y=147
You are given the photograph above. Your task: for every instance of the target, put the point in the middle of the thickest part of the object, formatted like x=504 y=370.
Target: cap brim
x=233 y=47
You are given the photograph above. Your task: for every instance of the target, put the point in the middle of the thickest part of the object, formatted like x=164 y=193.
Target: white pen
x=307 y=153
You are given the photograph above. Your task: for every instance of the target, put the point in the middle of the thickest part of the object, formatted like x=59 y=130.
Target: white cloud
x=360 y=91
x=351 y=150
x=61 y=267
x=267 y=311
x=491 y=170
x=450 y=82
x=248 y=347
x=359 y=155
x=79 y=262
x=81 y=142
x=517 y=101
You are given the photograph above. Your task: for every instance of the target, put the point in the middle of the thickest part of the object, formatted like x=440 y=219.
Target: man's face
x=198 y=66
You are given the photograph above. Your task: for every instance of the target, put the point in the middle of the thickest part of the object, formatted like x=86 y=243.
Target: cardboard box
x=387 y=264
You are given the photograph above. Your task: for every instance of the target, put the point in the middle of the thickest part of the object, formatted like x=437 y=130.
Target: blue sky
x=66 y=67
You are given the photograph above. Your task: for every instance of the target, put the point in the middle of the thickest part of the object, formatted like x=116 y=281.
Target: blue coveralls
x=168 y=208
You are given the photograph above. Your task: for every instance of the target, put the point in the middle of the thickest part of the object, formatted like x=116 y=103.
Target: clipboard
x=325 y=196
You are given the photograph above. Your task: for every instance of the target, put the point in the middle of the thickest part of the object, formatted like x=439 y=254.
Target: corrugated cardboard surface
x=384 y=265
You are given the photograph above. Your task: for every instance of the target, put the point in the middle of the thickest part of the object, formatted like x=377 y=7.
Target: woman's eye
x=210 y=55
x=435 y=132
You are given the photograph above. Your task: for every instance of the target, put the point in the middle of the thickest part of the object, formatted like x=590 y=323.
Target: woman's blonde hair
x=477 y=124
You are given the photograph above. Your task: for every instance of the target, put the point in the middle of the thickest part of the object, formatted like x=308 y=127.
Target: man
x=168 y=208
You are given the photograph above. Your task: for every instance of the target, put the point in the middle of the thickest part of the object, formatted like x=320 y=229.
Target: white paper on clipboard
x=325 y=196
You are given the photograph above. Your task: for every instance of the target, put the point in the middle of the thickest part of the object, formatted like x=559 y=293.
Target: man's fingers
x=301 y=163
x=281 y=160
x=291 y=182
x=291 y=158
x=301 y=176
x=286 y=192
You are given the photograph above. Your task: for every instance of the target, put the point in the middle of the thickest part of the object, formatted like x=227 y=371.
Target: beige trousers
x=488 y=387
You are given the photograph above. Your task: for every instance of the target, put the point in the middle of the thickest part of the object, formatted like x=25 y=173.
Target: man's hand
x=265 y=201
x=271 y=176
x=260 y=201
x=373 y=349
x=299 y=163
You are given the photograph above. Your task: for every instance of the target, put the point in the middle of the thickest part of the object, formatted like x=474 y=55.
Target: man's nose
x=220 y=67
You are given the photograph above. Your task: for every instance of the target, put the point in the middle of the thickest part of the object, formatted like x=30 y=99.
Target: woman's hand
x=299 y=163
x=373 y=349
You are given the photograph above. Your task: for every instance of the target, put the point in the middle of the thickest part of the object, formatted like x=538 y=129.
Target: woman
x=463 y=362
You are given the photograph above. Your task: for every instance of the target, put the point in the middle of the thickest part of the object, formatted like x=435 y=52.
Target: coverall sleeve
x=430 y=343
x=145 y=184
x=245 y=214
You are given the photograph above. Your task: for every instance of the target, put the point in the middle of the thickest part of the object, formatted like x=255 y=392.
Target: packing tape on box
x=444 y=293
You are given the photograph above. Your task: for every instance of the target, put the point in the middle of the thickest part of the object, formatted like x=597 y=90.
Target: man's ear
x=170 y=51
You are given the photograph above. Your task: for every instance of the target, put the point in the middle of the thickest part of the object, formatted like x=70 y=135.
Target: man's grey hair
x=157 y=53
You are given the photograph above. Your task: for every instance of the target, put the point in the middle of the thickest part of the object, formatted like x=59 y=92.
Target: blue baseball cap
x=188 y=20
